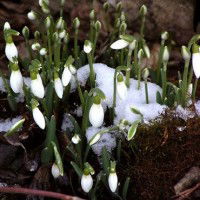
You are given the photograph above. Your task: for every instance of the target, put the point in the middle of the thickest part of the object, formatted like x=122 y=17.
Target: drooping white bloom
x=37 y=87
x=58 y=87
x=62 y=34
x=35 y=46
x=95 y=139
x=96 y=114
x=43 y=51
x=185 y=53
x=87 y=46
x=16 y=81
x=119 y=44
x=59 y=24
x=86 y=182
x=121 y=87
x=164 y=35
x=66 y=76
x=76 y=139
x=147 y=51
x=55 y=171
x=31 y=15
x=196 y=60
x=11 y=51
x=38 y=117
x=6 y=26
x=113 y=181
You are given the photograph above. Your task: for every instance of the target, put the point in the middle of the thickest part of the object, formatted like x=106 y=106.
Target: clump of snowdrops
x=52 y=66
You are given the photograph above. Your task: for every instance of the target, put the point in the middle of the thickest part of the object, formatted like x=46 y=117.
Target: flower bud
x=62 y=34
x=66 y=76
x=87 y=46
x=121 y=87
x=58 y=85
x=35 y=46
x=37 y=87
x=11 y=52
x=97 y=25
x=145 y=73
x=165 y=54
x=185 y=53
x=76 y=139
x=32 y=15
x=76 y=23
x=55 y=171
x=147 y=51
x=6 y=26
x=143 y=10
x=43 y=51
x=86 y=182
x=165 y=35
x=96 y=120
x=92 y=15
x=48 y=22
x=25 y=32
x=112 y=178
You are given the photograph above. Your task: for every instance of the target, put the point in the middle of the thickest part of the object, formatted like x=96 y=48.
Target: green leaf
x=105 y=160
x=77 y=169
x=159 y=98
x=119 y=147
x=58 y=159
x=47 y=153
x=77 y=129
x=128 y=38
x=18 y=125
x=12 y=102
x=136 y=111
x=132 y=130
x=125 y=188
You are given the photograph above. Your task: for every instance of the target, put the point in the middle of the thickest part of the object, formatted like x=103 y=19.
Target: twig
x=37 y=193
x=185 y=194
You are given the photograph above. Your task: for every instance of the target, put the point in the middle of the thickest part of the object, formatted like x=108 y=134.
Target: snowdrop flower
x=96 y=113
x=164 y=35
x=37 y=114
x=121 y=87
x=143 y=10
x=6 y=26
x=55 y=171
x=165 y=54
x=44 y=5
x=66 y=76
x=112 y=178
x=60 y=23
x=147 y=51
x=58 y=85
x=185 y=53
x=196 y=60
x=190 y=88
x=62 y=34
x=87 y=47
x=119 y=44
x=16 y=79
x=86 y=179
x=76 y=139
x=11 y=52
x=32 y=15
x=37 y=87
x=43 y=51
x=35 y=46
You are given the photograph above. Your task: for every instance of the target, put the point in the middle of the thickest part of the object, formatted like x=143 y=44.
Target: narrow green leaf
x=77 y=169
x=77 y=129
x=58 y=159
x=159 y=98
x=105 y=160
x=125 y=188
x=18 y=125
x=136 y=111
x=119 y=146
x=132 y=130
x=12 y=102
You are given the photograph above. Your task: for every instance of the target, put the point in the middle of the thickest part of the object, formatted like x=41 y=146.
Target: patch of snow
x=184 y=113
x=107 y=140
x=135 y=98
x=66 y=123
x=78 y=112
x=5 y=125
x=197 y=107
x=2 y=88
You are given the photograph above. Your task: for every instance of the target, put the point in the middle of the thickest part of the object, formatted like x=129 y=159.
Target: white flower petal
x=86 y=183
x=37 y=87
x=119 y=44
x=96 y=115
x=11 y=51
x=55 y=171
x=58 y=87
x=16 y=81
x=76 y=139
x=113 y=181
x=6 y=26
x=122 y=90
x=196 y=64
x=87 y=49
x=38 y=117
x=66 y=76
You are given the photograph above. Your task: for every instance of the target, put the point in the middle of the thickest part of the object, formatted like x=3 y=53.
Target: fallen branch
x=34 y=192
x=185 y=194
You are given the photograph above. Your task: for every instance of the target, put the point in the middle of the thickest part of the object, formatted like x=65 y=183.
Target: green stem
x=57 y=47
x=160 y=61
x=92 y=75
x=76 y=44
x=142 y=26
x=29 y=49
x=164 y=81
x=139 y=75
x=135 y=59
x=185 y=83
x=80 y=93
x=146 y=92
x=195 y=89
x=128 y=72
